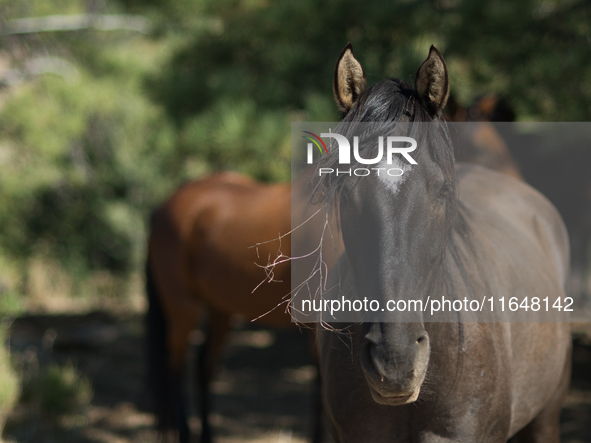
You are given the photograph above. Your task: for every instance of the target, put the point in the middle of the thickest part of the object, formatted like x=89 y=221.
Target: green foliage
x=11 y=305
x=56 y=390
x=9 y=382
x=36 y=8
x=277 y=52
x=77 y=161
x=237 y=135
x=84 y=159
x=535 y=52
x=114 y=121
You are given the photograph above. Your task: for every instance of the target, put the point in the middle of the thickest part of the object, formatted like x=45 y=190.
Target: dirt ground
x=262 y=392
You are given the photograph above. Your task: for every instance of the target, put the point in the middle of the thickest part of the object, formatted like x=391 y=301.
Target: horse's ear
x=432 y=83
x=349 y=80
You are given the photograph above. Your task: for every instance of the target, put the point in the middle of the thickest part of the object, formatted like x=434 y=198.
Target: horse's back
x=208 y=231
x=215 y=203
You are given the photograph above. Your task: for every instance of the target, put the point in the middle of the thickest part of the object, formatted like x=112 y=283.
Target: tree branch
x=51 y=23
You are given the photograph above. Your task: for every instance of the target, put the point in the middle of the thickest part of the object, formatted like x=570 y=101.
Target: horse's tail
x=164 y=384
x=159 y=373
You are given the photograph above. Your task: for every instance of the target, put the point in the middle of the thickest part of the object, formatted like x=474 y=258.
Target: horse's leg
x=317 y=408
x=208 y=355
x=178 y=334
x=545 y=427
x=158 y=356
x=166 y=347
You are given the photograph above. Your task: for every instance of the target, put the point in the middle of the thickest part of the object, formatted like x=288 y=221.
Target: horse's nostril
x=421 y=339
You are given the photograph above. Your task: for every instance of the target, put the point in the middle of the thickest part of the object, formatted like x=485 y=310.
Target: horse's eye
x=444 y=189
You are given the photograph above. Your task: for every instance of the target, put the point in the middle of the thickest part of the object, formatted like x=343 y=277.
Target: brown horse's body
x=202 y=246
x=202 y=261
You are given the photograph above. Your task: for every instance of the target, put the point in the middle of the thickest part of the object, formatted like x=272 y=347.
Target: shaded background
x=106 y=106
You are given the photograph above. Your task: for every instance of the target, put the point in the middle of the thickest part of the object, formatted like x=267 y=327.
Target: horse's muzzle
x=395 y=369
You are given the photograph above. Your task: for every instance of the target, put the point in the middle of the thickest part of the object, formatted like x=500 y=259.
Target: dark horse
x=447 y=230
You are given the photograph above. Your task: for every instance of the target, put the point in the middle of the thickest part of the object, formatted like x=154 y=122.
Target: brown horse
x=461 y=232
x=201 y=261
